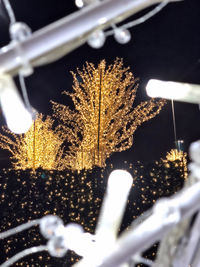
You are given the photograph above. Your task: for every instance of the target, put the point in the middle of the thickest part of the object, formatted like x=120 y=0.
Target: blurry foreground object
x=171 y=220
x=72 y=237
x=17 y=117
x=68 y=33
x=174 y=90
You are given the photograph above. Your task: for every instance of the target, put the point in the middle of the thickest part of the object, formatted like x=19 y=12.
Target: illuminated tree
x=104 y=119
x=41 y=146
x=174 y=155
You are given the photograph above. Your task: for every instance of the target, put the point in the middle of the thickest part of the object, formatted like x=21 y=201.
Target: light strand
x=174 y=121
x=23 y=254
x=142 y=19
x=19 y=228
x=24 y=93
x=12 y=19
x=139 y=259
x=10 y=11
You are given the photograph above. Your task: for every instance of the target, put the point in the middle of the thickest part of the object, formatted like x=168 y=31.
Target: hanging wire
x=24 y=92
x=138 y=21
x=174 y=121
x=139 y=259
x=12 y=18
x=10 y=11
x=142 y=19
x=23 y=254
x=19 y=228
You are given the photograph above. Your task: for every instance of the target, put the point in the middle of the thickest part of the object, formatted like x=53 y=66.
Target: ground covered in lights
x=75 y=197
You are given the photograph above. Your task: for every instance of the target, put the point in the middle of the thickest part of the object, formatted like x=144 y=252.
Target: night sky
x=165 y=47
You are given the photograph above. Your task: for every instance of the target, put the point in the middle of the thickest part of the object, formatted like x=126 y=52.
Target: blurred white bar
x=187 y=249
x=17 y=117
x=154 y=228
x=196 y=261
x=110 y=218
x=174 y=90
x=63 y=36
x=114 y=204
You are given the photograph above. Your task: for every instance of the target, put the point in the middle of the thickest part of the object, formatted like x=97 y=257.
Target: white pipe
x=61 y=37
x=155 y=227
x=110 y=218
x=17 y=117
x=174 y=90
x=114 y=203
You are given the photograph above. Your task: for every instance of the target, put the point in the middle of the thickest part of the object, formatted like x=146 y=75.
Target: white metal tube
x=152 y=229
x=113 y=206
x=188 y=247
x=110 y=218
x=174 y=90
x=17 y=117
x=196 y=261
x=61 y=37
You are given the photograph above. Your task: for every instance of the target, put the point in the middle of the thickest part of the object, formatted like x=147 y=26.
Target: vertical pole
x=82 y=157
x=34 y=146
x=174 y=121
x=99 y=120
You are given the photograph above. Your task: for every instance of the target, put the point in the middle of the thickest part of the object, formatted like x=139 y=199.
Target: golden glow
x=104 y=119
x=174 y=154
x=179 y=158
x=74 y=198
x=40 y=147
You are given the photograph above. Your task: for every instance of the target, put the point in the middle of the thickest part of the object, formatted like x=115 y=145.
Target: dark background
x=164 y=47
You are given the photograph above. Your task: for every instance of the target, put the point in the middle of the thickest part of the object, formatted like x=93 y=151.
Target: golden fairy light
x=74 y=198
x=41 y=146
x=179 y=158
x=104 y=119
x=174 y=155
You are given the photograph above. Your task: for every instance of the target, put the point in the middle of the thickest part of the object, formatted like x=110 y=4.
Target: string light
x=49 y=224
x=104 y=119
x=142 y=19
x=41 y=146
x=73 y=236
x=121 y=34
x=179 y=159
x=83 y=3
x=97 y=39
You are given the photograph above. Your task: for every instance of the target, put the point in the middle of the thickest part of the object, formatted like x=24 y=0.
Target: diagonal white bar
x=61 y=37
x=153 y=228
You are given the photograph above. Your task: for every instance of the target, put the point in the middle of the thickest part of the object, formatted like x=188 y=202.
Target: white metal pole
x=64 y=35
x=153 y=229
